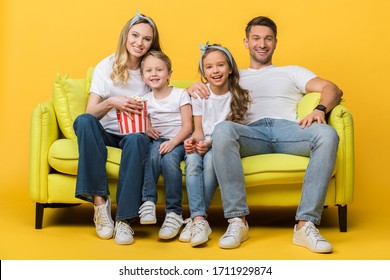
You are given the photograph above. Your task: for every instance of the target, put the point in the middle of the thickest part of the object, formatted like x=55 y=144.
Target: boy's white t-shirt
x=165 y=113
x=213 y=110
x=275 y=91
x=103 y=86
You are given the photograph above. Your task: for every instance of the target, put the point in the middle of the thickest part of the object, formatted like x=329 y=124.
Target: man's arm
x=330 y=97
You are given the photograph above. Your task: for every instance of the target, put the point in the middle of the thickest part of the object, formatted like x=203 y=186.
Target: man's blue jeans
x=92 y=176
x=169 y=166
x=201 y=182
x=231 y=141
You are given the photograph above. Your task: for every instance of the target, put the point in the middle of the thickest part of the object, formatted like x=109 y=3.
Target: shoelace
x=314 y=232
x=123 y=228
x=171 y=222
x=101 y=219
x=233 y=228
x=188 y=224
x=147 y=209
x=198 y=227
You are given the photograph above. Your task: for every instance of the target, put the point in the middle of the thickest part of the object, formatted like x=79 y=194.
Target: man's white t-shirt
x=213 y=110
x=275 y=91
x=165 y=113
x=103 y=86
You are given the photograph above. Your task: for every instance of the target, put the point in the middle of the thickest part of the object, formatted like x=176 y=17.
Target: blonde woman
x=115 y=79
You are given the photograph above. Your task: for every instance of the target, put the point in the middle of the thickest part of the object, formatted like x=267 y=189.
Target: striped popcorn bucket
x=131 y=123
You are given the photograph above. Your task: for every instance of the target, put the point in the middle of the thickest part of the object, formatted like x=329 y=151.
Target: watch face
x=321 y=107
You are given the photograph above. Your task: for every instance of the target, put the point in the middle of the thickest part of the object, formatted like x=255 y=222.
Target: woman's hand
x=126 y=104
x=153 y=133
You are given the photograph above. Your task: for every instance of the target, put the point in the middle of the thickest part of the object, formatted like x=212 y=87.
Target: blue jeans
x=91 y=174
x=201 y=182
x=169 y=166
x=232 y=141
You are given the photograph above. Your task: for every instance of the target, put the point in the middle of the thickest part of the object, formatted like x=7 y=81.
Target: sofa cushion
x=70 y=100
x=265 y=169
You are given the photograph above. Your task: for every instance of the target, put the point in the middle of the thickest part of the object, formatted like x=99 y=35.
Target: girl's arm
x=186 y=117
x=197 y=135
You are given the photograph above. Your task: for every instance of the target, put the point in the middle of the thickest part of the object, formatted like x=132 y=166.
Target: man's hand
x=198 y=89
x=315 y=116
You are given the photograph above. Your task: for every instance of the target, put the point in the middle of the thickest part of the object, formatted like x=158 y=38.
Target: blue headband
x=205 y=48
x=138 y=16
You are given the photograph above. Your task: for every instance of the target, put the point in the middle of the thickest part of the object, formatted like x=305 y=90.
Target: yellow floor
x=69 y=234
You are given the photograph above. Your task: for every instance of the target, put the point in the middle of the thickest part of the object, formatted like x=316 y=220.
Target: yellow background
x=347 y=42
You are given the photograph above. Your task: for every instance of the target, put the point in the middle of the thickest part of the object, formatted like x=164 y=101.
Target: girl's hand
x=153 y=133
x=202 y=147
x=198 y=89
x=189 y=145
x=166 y=147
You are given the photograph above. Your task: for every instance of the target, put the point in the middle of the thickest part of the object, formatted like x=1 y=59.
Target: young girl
x=170 y=113
x=227 y=101
x=115 y=79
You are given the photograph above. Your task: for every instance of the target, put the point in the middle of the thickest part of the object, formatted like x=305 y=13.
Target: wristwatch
x=321 y=108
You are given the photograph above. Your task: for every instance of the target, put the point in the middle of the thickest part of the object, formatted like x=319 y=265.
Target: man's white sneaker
x=236 y=233
x=123 y=233
x=103 y=220
x=185 y=235
x=308 y=236
x=171 y=226
x=147 y=213
x=200 y=232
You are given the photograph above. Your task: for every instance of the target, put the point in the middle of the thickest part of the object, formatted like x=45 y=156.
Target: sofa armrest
x=44 y=131
x=341 y=119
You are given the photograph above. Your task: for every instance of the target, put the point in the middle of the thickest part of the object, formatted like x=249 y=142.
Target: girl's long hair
x=241 y=98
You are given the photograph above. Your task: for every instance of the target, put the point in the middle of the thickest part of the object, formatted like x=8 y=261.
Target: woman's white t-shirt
x=103 y=86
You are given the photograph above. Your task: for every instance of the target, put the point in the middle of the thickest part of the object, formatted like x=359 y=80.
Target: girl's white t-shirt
x=103 y=86
x=213 y=110
x=165 y=113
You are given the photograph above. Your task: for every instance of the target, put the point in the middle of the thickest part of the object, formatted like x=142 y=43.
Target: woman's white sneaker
x=103 y=220
x=123 y=233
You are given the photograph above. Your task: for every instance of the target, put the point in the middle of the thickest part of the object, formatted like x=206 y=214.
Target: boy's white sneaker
x=103 y=220
x=171 y=226
x=147 y=213
x=200 y=232
x=185 y=235
x=308 y=236
x=236 y=233
x=123 y=233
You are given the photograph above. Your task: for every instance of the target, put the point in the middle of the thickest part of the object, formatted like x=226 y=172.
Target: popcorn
x=132 y=123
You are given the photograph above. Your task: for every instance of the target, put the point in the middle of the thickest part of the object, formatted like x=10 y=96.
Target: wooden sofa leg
x=39 y=209
x=342 y=218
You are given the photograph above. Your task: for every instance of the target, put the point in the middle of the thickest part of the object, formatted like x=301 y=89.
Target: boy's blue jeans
x=91 y=174
x=232 y=141
x=169 y=166
x=201 y=182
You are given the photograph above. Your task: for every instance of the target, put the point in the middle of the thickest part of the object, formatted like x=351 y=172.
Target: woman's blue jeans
x=91 y=174
x=201 y=182
x=232 y=141
x=169 y=166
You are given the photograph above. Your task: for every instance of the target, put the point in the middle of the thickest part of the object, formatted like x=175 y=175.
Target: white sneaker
x=123 y=233
x=103 y=220
x=147 y=213
x=308 y=236
x=171 y=226
x=200 y=232
x=236 y=233
x=185 y=235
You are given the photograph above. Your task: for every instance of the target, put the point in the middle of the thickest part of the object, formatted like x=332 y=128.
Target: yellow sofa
x=271 y=180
